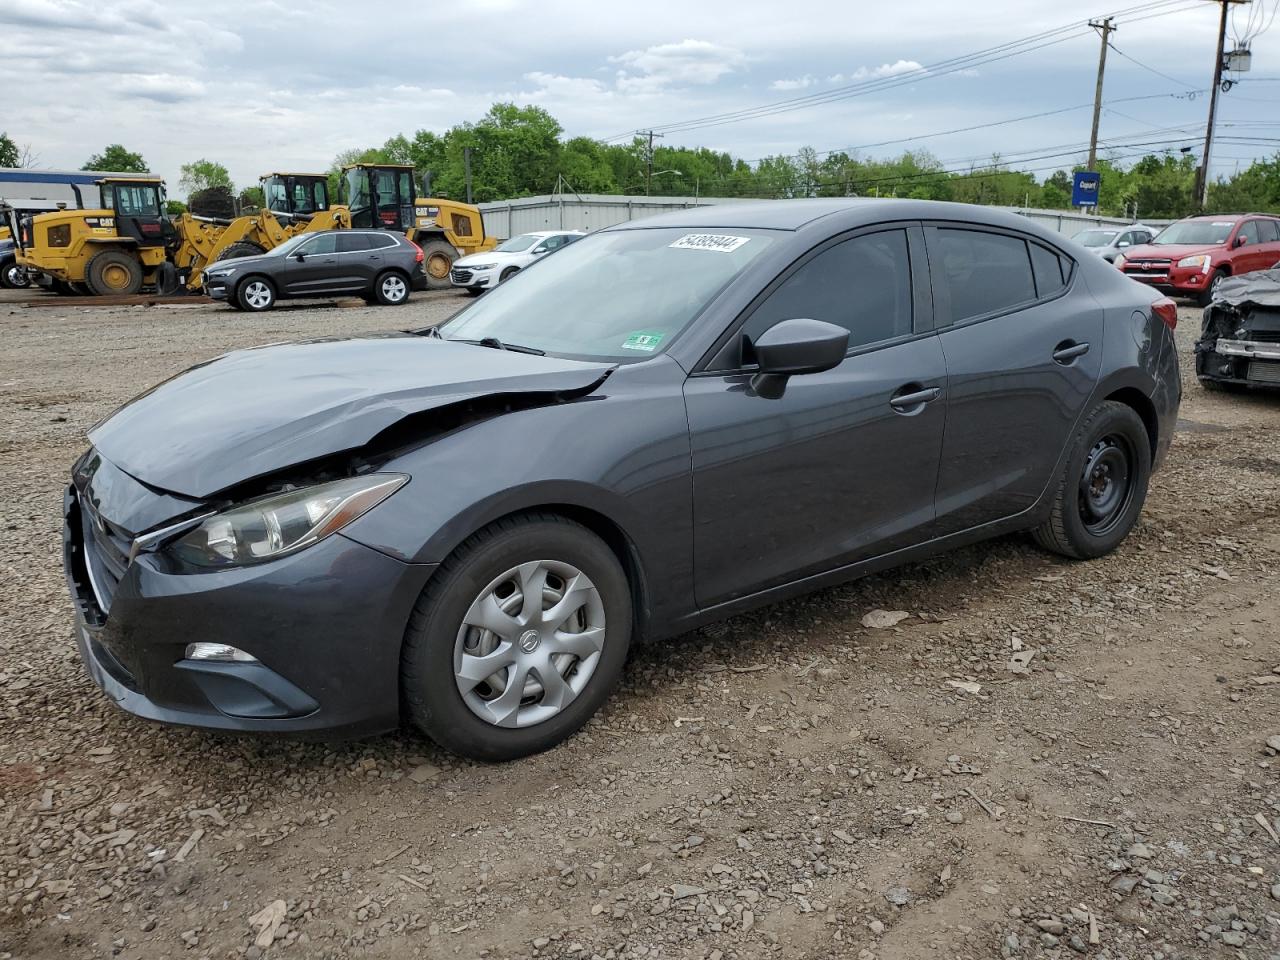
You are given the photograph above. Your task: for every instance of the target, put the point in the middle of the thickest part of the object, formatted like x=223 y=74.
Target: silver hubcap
x=529 y=643
x=393 y=288
x=258 y=294
x=16 y=276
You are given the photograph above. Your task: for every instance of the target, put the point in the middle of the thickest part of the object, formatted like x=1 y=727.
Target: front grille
x=106 y=551
x=461 y=276
x=1263 y=336
x=1264 y=371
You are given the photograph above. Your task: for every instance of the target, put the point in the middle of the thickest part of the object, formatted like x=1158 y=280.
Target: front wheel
x=1207 y=296
x=437 y=261
x=256 y=294
x=391 y=289
x=16 y=277
x=518 y=639
x=1103 y=484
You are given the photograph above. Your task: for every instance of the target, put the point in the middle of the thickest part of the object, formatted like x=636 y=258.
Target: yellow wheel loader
x=384 y=197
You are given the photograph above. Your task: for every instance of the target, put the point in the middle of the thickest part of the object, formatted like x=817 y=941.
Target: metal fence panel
x=592 y=211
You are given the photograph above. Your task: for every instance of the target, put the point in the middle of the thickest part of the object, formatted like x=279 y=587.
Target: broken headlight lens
x=284 y=522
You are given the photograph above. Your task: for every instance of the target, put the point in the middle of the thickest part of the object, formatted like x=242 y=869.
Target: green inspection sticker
x=644 y=340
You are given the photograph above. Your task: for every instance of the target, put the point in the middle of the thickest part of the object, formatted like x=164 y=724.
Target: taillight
x=1167 y=311
x=417 y=256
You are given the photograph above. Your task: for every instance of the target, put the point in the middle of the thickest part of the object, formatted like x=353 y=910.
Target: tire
x=15 y=277
x=437 y=638
x=1103 y=484
x=391 y=288
x=243 y=248
x=474 y=291
x=80 y=289
x=508 y=273
x=113 y=273
x=437 y=261
x=255 y=294
x=1206 y=296
x=61 y=288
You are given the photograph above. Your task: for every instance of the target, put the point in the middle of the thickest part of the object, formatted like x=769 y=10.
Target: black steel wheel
x=1102 y=486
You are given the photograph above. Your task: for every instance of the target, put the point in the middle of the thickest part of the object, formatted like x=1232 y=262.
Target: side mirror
x=539 y=249
x=299 y=257
x=794 y=347
x=1123 y=243
x=1240 y=241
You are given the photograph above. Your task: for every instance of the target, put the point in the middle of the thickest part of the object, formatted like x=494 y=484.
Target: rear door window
x=985 y=273
x=353 y=242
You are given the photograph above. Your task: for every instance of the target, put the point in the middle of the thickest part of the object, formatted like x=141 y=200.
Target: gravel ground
x=790 y=783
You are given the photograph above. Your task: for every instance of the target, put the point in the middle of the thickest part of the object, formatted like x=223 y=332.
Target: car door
x=1023 y=350
x=311 y=265
x=843 y=465
x=1269 y=237
x=1248 y=252
x=357 y=263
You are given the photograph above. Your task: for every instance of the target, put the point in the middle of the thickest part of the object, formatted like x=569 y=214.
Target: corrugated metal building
x=592 y=211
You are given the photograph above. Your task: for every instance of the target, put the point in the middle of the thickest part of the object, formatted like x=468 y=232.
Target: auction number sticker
x=709 y=241
x=643 y=340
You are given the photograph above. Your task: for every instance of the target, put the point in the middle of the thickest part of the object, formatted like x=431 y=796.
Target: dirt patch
x=786 y=784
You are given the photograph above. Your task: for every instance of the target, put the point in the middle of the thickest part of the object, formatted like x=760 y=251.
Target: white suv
x=480 y=271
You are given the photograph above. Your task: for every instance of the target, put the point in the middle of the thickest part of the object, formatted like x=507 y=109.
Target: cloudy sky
x=268 y=84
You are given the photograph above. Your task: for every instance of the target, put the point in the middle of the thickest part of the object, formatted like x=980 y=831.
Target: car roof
x=850 y=212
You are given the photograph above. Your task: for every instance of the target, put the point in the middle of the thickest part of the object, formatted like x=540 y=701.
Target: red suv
x=1189 y=258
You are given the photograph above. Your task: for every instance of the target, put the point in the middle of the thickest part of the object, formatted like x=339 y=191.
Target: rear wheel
x=113 y=272
x=518 y=639
x=255 y=294
x=242 y=249
x=437 y=261
x=391 y=288
x=1102 y=486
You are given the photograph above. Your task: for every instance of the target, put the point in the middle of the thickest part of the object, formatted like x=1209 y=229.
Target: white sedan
x=480 y=271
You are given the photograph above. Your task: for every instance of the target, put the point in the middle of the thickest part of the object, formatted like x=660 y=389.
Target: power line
x=1150 y=69
x=942 y=68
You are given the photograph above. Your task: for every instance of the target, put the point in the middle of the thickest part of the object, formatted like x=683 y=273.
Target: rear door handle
x=1068 y=351
x=913 y=395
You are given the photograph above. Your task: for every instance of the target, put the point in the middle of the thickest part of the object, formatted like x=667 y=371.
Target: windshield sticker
x=709 y=241
x=643 y=340
x=1228 y=223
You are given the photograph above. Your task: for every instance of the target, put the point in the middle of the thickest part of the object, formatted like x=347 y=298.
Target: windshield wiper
x=495 y=344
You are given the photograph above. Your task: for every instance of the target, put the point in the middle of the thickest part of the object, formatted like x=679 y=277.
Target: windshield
x=611 y=296
x=1196 y=231
x=517 y=244
x=1096 y=238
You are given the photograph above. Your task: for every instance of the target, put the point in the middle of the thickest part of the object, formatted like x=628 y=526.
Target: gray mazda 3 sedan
x=667 y=423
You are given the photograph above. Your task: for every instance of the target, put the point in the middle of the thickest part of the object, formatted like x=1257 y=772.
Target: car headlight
x=284 y=522
x=476 y=266
x=1119 y=260
x=222 y=273
x=1197 y=261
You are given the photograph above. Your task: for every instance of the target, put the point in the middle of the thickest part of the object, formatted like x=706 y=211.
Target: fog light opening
x=218 y=651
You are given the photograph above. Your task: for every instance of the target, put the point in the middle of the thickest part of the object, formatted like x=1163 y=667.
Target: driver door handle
x=1068 y=350
x=916 y=396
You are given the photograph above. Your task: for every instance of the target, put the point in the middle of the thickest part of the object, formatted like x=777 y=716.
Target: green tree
x=202 y=174
x=175 y=208
x=10 y=156
x=252 y=197
x=116 y=159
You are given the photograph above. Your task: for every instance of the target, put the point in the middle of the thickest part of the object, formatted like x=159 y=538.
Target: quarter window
x=984 y=272
x=1051 y=271
x=862 y=284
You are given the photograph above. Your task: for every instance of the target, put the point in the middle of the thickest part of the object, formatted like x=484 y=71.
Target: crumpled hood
x=253 y=412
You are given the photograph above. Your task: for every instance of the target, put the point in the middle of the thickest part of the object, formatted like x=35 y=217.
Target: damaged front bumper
x=1240 y=336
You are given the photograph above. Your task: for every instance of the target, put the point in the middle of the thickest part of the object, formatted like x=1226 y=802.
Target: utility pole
x=466 y=167
x=1202 y=176
x=1105 y=29
x=648 y=162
